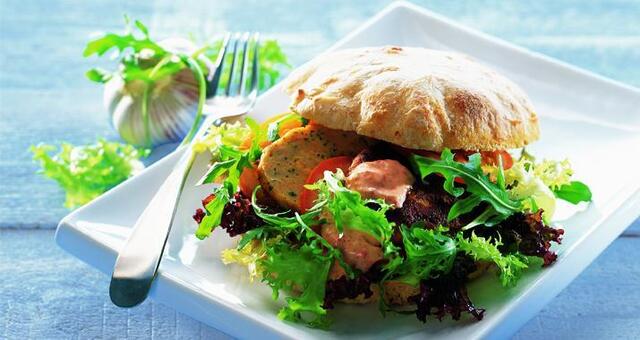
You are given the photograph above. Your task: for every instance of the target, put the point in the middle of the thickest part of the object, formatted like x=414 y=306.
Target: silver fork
x=138 y=261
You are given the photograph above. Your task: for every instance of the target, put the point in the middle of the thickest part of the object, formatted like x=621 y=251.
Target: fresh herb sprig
x=478 y=186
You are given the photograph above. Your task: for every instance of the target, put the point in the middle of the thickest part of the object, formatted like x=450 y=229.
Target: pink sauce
x=359 y=249
x=385 y=179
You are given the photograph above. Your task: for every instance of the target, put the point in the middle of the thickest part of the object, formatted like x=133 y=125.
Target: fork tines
x=233 y=72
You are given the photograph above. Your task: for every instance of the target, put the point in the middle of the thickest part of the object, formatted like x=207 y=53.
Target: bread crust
x=414 y=97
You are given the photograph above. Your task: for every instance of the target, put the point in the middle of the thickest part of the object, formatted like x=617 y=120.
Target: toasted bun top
x=414 y=97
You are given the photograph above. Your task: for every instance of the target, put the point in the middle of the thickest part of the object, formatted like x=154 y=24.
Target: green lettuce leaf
x=348 y=208
x=87 y=171
x=231 y=162
x=428 y=253
x=476 y=183
x=574 y=192
x=482 y=249
x=302 y=273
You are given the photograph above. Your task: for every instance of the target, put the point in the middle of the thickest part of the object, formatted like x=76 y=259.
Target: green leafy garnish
x=348 y=209
x=476 y=184
x=302 y=273
x=232 y=160
x=297 y=261
x=573 y=192
x=87 y=171
x=538 y=184
x=427 y=252
x=430 y=253
x=483 y=249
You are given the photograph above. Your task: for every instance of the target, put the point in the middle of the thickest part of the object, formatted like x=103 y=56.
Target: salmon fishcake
x=285 y=164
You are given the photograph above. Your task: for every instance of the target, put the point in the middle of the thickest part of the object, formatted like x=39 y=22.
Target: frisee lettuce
x=296 y=260
x=349 y=209
x=538 y=184
x=87 y=171
x=302 y=273
x=247 y=256
x=486 y=249
x=428 y=252
x=224 y=135
x=431 y=253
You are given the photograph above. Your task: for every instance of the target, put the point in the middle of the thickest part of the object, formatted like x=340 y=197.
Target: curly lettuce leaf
x=525 y=185
x=87 y=171
x=539 y=184
x=485 y=249
x=349 y=209
x=247 y=256
x=479 y=187
x=428 y=254
x=302 y=273
x=227 y=134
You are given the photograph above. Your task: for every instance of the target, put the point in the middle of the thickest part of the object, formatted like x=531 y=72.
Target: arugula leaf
x=483 y=249
x=477 y=184
x=98 y=75
x=214 y=210
x=87 y=171
x=574 y=192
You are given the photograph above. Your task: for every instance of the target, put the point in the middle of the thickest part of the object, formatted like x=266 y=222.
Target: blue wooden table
x=45 y=293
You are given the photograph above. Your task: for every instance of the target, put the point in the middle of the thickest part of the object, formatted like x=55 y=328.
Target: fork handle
x=138 y=260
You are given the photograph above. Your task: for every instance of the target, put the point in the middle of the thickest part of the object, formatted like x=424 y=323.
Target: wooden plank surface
x=45 y=293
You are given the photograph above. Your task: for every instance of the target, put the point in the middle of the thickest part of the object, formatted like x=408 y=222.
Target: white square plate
x=592 y=120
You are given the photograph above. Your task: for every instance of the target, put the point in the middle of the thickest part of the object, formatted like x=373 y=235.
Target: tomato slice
x=492 y=157
x=308 y=197
x=248 y=181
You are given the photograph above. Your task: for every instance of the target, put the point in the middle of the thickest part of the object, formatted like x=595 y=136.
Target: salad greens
x=479 y=187
x=87 y=171
x=232 y=160
x=539 y=184
x=349 y=209
x=486 y=249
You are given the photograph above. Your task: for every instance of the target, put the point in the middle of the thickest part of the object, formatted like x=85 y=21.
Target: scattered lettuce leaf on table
x=85 y=172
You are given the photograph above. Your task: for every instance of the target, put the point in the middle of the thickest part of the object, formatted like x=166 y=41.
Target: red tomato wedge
x=308 y=197
x=248 y=181
x=492 y=157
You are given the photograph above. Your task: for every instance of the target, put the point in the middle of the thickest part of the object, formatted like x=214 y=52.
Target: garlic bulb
x=171 y=105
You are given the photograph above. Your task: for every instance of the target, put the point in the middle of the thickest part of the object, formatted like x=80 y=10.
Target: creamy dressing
x=359 y=249
x=385 y=179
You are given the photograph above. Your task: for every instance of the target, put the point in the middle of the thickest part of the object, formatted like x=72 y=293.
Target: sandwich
x=397 y=176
